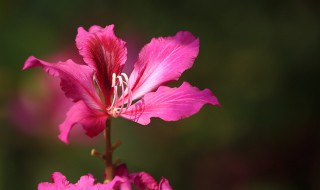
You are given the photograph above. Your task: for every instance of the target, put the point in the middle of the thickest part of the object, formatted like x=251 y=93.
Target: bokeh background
x=260 y=58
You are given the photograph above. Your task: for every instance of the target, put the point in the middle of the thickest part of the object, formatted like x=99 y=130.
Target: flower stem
x=109 y=169
x=106 y=157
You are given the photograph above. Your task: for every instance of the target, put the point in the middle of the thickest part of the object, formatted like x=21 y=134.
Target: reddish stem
x=109 y=169
x=107 y=156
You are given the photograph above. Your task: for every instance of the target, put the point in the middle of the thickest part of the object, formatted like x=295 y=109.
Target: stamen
x=122 y=92
x=113 y=79
x=115 y=92
x=125 y=76
x=129 y=89
x=122 y=81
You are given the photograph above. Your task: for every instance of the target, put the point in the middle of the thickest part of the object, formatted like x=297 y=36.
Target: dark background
x=260 y=58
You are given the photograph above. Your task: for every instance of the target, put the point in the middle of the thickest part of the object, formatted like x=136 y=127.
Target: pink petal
x=93 y=121
x=170 y=104
x=122 y=171
x=102 y=51
x=85 y=181
x=59 y=182
x=163 y=60
x=164 y=184
x=76 y=80
x=46 y=186
x=143 y=181
x=114 y=184
x=59 y=178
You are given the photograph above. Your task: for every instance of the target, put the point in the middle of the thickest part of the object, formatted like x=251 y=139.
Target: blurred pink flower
x=85 y=182
x=40 y=104
x=35 y=110
x=100 y=89
x=141 y=180
x=121 y=181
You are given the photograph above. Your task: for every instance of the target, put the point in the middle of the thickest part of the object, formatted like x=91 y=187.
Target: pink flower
x=122 y=181
x=36 y=113
x=100 y=89
x=141 y=180
x=39 y=105
x=85 y=183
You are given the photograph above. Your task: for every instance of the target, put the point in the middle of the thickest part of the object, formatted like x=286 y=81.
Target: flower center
x=121 y=88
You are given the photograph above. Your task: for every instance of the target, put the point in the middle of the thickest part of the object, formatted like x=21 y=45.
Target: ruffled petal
x=59 y=182
x=85 y=182
x=143 y=181
x=59 y=179
x=93 y=121
x=76 y=80
x=161 y=61
x=102 y=51
x=170 y=104
x=164 y=184
x=114 y=184
x=122 y=171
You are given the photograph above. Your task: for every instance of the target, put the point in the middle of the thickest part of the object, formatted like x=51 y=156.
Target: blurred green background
x=260 y=58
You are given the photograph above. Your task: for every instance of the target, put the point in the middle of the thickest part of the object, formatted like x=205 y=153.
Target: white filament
x=120 y=81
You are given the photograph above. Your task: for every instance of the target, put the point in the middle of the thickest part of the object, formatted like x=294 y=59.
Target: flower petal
x=143 y=180
x=102 y=51
x=161 y=61
x=114 y=184
x=164 y=184
x=122 y=171
x=59 y=178
x=85 y=182
x=93 y=121
x=170 y=104
x=46 y=186
x=59 y=182
x=76 y=80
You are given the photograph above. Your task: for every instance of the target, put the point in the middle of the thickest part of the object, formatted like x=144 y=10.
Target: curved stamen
x=125 y=76
x=120 y=80
x=115 y=93
x=113 y=79
x=129 y=90
x=115 y=109
x=122 y=91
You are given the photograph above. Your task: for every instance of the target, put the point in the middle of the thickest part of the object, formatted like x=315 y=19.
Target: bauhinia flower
x=122 y=181
x=101 y=90
x=44 y=104
x=30 y=111
x=86 y=182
